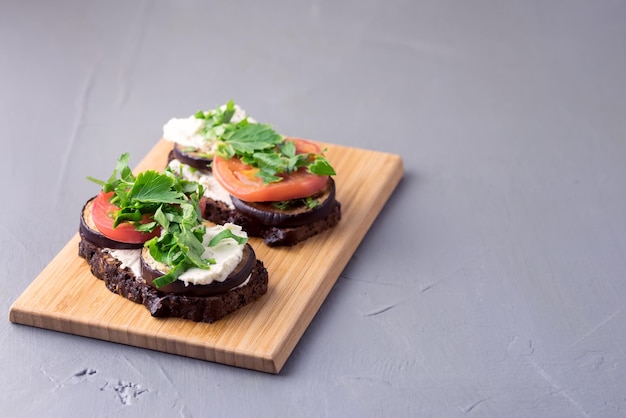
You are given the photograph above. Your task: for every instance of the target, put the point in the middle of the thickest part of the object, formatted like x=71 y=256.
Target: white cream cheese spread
x=212 y=189
x=227 y=254
x=128 y=258
x=185 y=131
x=188 y=132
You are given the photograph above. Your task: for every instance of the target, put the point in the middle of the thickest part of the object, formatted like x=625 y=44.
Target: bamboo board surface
x=260 y=336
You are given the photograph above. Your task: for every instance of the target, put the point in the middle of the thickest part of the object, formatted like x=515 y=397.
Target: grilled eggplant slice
x=295 y=213
x=89 y=231
x=238 y=276
x=192 y=158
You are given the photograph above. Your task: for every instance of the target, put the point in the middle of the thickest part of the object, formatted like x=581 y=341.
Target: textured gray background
x=492 y=284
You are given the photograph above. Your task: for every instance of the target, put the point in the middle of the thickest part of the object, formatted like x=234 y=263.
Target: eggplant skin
x=96 y=237
x=236 y=277
x=192 y=159
x=273 y=236
x=267 y=214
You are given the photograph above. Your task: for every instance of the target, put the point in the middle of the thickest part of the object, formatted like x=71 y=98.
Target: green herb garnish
x=258 y=145
x=217 y=122
x=180 y=245
x=308 y=201
x=144 y=193
x=311 y=203
x=174 y=204
x=182 y=248
x=225 y=234
x=282 y=205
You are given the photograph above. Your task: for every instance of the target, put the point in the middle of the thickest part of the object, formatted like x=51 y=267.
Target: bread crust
x=199 y=309
x=273 y=236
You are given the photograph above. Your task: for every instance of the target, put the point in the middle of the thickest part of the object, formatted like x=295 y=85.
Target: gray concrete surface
x=491 y=285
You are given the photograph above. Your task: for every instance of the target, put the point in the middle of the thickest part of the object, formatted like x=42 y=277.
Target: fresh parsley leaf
x=193 y=247
x=225 y=234
x=172 y=276
x=282 y=205
x=147 y=193
x=151 y=186
x=311 y=203
x=125 y=173
x=269 y=160
x=228 y=112
x=225 y=150
x=147 y=227
x=253 y=137
x=95 y=180
x=218 y=122
x=214 y=131
x=321 y=166
x=297 y=161
x=127 y=215
x=268 y=175
x=190 y=215
x=162 y=218
x=288 y=149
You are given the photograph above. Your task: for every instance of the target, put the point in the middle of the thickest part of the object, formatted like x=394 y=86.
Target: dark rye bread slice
x=220 y=213
x=273 y=236
x=199 y=309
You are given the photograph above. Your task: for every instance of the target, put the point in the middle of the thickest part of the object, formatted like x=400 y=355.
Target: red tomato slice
x=240 y=181
x=103 y=212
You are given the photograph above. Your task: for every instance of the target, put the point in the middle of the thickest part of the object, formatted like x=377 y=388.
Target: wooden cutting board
x=262 y=335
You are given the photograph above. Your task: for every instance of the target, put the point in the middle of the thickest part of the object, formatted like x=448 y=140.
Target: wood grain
x=262 y=335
